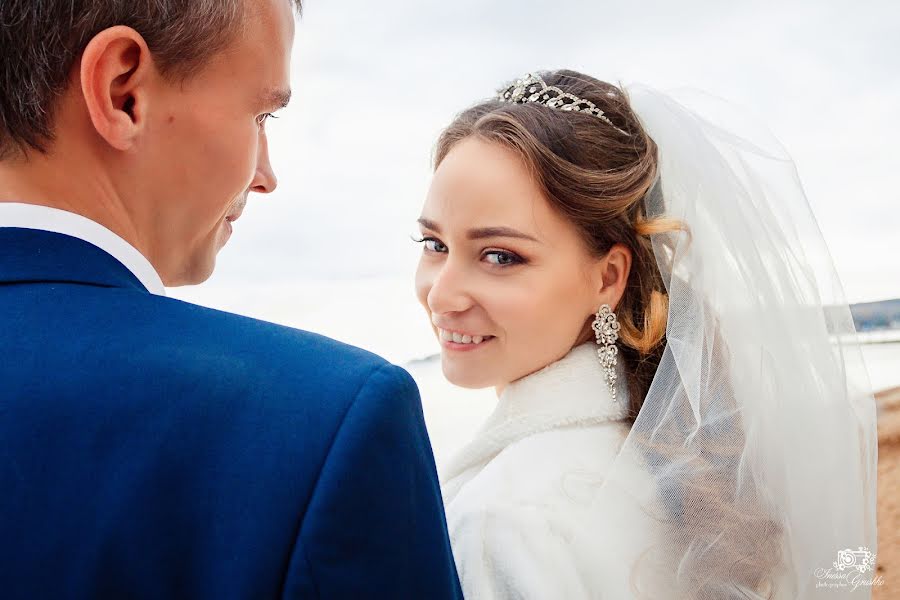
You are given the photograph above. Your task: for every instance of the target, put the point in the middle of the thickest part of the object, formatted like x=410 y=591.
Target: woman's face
x=507 y=282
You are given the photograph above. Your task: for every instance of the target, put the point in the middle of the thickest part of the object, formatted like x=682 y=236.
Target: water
x=883 y=363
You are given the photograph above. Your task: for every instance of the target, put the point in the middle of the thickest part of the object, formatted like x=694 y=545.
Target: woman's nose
x=449 y=292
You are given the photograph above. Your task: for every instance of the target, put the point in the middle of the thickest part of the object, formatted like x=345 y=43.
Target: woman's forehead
x=486 y=181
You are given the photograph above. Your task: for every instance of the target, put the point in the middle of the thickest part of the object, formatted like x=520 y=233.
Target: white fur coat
x=518 y=495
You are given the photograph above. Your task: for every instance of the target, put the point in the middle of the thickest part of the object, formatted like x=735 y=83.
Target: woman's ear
x=612 y=275
x=115 y=68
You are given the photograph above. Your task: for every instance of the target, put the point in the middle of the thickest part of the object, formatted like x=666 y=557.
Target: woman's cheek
x=423 y=281
x=518 y=310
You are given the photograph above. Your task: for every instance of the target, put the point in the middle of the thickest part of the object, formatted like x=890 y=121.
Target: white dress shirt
x=30 y=216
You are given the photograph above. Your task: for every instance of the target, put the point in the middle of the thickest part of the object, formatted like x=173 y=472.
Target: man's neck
x=45 y=180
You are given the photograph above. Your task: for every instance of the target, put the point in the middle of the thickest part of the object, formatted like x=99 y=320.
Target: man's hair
x=40 y=41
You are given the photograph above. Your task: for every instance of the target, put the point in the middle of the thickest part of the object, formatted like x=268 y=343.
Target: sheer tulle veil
x=758 y=430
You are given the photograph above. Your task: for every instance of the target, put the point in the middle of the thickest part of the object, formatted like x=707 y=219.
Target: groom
x=150 y=448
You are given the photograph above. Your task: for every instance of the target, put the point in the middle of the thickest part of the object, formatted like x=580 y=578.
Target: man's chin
x=194 y=273
x=199 y=266
x=227 y=231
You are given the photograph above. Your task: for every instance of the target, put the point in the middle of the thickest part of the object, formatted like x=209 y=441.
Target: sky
x=375 y=82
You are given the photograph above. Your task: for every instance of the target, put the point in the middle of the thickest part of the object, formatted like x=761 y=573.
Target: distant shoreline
x=879 y=336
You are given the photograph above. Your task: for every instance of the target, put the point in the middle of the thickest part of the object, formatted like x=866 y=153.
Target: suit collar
x=34 y=256
x=43 y=218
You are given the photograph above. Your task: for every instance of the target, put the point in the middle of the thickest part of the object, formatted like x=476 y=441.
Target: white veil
x=759 y=430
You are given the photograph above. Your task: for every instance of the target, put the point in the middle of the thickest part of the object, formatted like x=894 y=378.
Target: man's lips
x=236 y=211
x=229 y=220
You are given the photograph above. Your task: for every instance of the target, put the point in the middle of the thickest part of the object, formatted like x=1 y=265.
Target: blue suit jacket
x=150 y=448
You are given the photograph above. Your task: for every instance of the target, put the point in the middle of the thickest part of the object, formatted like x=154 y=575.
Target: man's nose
x=264 y=181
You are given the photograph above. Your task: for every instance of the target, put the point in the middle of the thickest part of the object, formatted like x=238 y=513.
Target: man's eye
x=261 y=119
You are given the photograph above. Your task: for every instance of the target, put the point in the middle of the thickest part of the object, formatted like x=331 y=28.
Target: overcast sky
x=375 y=81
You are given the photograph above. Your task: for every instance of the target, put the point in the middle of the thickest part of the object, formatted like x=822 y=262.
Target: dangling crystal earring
x=606 y=328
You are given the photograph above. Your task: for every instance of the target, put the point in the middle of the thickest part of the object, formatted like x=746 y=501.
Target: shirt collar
x=43 y=218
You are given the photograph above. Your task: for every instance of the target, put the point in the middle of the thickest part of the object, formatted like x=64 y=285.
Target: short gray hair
x=41 y=39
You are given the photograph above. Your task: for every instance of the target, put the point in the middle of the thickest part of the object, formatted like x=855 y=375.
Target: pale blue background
x=374 y=83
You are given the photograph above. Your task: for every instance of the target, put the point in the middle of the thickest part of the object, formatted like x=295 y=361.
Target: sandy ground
x=888 y=558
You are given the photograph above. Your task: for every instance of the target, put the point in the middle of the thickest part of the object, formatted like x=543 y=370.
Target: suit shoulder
x=259 y=348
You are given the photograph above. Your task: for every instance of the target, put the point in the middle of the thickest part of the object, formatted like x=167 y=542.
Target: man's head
x=145 y=116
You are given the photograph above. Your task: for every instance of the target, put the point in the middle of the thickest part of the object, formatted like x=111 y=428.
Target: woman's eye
x=432 y=245
x=497 y=257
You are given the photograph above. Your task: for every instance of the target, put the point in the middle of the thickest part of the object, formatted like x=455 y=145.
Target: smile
x=462 y=338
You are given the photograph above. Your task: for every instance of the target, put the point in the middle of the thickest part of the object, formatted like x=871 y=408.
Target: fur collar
x=569 y=392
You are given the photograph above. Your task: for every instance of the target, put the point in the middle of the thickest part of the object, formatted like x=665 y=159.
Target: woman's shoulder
x=543 y=469
x=536 y=518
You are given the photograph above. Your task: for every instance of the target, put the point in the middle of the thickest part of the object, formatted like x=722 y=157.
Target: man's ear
x=115 y=68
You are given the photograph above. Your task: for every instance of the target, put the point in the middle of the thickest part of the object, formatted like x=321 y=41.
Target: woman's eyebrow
x=492 y=232
x=429 y=224
x=483 y=232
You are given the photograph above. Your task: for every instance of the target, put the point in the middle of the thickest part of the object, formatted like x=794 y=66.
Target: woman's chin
x=467 y=378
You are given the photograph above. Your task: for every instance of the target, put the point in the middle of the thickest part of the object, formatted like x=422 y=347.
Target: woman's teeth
x=449 y=336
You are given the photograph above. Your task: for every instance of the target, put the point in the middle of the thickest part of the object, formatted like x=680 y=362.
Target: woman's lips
x=456 y=340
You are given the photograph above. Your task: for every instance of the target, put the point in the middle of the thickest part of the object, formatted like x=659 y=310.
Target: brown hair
x=597 y=178
x=40 y=40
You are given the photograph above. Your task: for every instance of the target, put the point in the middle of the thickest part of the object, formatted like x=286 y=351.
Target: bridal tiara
x=532 y=88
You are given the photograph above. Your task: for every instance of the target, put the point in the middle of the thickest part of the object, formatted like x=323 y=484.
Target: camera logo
x=860 y=559
x=850 y=570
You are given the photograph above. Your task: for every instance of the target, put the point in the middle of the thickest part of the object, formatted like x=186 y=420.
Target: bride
x=682 y=410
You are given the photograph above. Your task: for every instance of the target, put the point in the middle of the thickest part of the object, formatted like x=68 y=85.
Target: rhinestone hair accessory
x=532 y=88
x=606 y=329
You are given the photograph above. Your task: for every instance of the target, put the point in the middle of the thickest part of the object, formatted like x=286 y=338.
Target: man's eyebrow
x=276 y=98
x=483 y=232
